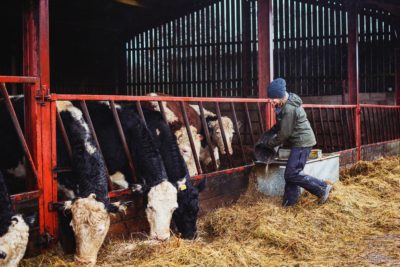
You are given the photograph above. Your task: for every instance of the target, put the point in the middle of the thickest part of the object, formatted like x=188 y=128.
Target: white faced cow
x=14 y=230
x=90 y=213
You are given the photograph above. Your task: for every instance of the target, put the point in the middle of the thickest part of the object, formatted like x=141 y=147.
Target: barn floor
x=359 y=226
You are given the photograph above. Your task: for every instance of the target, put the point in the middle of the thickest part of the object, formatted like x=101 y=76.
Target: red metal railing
x=343 y=127
x=337 y=128
x=250 y=111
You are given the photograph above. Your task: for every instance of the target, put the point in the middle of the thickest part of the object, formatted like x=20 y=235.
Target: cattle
x=14 y=230
x=90 y=212
x=185 y=216
x=176 y=122
x=215 y=130
x=160 y=194
x=165 y=143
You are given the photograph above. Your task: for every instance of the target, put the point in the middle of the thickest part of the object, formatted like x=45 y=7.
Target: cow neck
x=89 y=166
x=145 y=152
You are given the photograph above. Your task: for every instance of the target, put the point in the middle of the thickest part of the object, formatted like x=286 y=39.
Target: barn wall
x=371 y=98
x=201 y=53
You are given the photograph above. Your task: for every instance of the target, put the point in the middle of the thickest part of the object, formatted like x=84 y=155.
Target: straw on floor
x=358 y=226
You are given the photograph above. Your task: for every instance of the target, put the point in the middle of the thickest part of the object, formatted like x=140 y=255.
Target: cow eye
x=151 y=208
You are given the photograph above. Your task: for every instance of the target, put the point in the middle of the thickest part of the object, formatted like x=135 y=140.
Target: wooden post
x=352 y=72
x=265 y=54
x=397 y=73
x=246 y=51
x=352 y=57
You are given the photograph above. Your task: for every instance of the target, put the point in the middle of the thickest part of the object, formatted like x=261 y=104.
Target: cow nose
x=164 y=237
x=3 y=255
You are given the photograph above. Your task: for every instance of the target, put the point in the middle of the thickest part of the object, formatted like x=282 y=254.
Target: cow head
x=161 y=203
x=185 y=216
x=183 y=141
x=13 y=243
x=216 y=133
x=90 y=223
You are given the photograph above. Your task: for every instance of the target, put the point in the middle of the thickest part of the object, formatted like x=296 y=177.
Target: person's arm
x=286 y=128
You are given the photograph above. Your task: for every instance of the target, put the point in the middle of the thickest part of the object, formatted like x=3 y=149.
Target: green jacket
x=292 y=125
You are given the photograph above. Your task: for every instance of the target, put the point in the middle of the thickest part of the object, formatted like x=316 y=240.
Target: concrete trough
x=271 y=182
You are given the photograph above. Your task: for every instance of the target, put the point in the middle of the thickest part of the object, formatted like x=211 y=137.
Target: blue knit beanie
x=277 y=88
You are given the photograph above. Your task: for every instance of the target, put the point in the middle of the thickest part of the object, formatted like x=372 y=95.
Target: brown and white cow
x=175 y=120
x=215 y=129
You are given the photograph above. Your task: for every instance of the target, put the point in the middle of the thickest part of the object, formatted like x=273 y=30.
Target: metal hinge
x=43 y=94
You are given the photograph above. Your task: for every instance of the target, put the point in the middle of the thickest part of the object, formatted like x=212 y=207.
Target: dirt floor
x=358 y=226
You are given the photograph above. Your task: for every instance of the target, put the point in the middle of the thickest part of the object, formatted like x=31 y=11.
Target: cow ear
x=139 y=188
x=68 y=204
x=200 y=186
x=120 y=206
x=31 y=219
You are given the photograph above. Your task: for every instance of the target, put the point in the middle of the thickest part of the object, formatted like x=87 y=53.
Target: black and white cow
x=14 y=230
x=91 y=210
x=185 y=216
x=90 y=217
x=160 y=194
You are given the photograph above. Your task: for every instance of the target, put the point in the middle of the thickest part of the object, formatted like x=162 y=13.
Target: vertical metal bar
x=237 y=129
x=140 y=110
x=370 y=120
x=64 y=136
x=314 y=124
x=207 y=135
x=246 y=48
x=189 y=132
x=385 y=124
x=91 y=128
x=391 y=124
x=162 y=110
x=329 y=129
x=363 y=127
x=50 y=152
x=248 y=119
x=339 y=144
x=352 y=126
x=323 y=129
x=221 y=126
x=345 y=136
x=123 y=141
x=260 y=120
x=376 y=124
x=18 y=129
x=357 y=122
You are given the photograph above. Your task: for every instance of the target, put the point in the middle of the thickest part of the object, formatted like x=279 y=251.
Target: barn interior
x=208 y=48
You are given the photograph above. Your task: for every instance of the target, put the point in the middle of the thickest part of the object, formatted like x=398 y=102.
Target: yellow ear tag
x=182 y=187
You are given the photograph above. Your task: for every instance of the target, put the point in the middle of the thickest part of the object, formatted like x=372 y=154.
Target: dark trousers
x=295 y=178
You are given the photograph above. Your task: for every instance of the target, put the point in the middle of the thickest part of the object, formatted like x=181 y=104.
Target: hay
x=358 y=226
